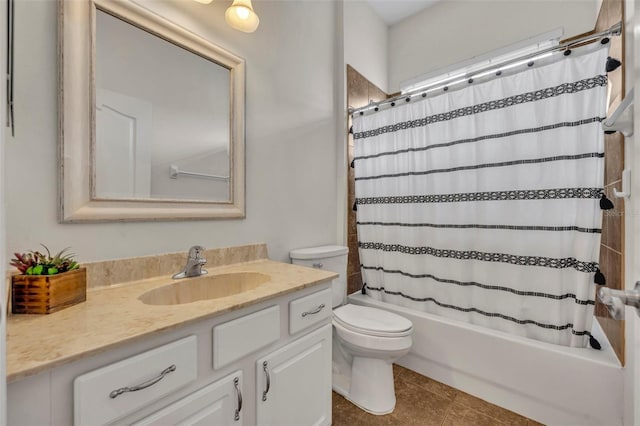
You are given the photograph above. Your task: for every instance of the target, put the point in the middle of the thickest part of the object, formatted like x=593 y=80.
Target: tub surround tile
x=614 y=273
x=610 y=265
x=613 y=160
x=376 y=94
x=360 y=92
x=352 y=223
x=604 y=236
x=353 y=265
x=614 y=330
x=354 y=283
x=113 y=315
x=613 y=225
x=613 y=220
x=358 y=88
x=614 y=8
x=612 y=248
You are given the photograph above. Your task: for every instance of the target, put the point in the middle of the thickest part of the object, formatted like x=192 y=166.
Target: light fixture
x=204 y=1
x=240 y=15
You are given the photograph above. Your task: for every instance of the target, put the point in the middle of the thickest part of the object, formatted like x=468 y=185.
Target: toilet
x=366 y=341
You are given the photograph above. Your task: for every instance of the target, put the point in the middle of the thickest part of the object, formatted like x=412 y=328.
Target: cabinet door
x=219 y=403
x=121 y=389
x=294 y=382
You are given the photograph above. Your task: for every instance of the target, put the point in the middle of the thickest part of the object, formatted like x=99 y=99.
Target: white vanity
x=245 y=359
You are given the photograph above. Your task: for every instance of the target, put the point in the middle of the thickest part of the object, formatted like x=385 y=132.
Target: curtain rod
x=615 y=30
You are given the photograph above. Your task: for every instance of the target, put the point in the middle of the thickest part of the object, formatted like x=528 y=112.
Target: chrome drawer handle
x=239 y=393
x=315 y=311
x=318 y=265
x=266 y=373
x=144 y=385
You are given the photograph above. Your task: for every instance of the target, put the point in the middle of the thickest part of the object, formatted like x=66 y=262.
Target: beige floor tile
x=417 y=406
x=491 y=410
x=462 y=415
x=425 y=402
x=410 y=376
x=371 y=420
x=344 y=412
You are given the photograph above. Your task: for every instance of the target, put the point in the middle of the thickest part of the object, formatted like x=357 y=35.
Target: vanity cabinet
x=293 y=381
x=219 y=403
x=119 y=389
x=219 y=377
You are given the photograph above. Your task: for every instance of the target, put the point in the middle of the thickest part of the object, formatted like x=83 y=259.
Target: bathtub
x=552 y=384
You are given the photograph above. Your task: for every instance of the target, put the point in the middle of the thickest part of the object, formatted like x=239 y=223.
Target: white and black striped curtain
x=482 y=204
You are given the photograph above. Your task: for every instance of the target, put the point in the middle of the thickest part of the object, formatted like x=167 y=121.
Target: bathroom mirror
x=151 y=118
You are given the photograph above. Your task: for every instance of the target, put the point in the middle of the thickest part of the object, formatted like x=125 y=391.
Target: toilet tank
x=329 y=258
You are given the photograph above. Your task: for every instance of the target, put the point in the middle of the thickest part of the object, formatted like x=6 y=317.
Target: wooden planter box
x=45 y=294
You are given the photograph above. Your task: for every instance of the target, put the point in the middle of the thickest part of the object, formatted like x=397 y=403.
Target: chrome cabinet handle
x=239 y=393
x=266 y=373
x=318 y=265
x=315 y=311
x=144 y=385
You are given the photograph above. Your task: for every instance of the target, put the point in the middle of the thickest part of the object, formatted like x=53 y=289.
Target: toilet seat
x=372 y=321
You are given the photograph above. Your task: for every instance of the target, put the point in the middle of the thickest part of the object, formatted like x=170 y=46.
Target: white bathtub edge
x=548 y=383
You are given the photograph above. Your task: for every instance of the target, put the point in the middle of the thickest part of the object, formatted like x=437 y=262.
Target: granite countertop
x=113 y=316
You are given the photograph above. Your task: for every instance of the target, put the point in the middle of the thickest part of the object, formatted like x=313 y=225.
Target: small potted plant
x=46 y=283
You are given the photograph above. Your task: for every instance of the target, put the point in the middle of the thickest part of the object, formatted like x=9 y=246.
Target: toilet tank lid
x=318 y=252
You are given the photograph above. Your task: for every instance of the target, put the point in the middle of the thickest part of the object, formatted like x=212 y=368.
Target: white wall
x=452 y=31
x=632 y=226
x=3 y=282
x=366 y=42
x=290 y=139
x=341 y=125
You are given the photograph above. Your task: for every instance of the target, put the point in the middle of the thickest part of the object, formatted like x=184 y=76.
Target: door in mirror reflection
x=162 y=118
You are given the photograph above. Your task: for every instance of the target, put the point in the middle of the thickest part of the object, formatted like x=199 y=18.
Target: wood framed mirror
x=151 y=118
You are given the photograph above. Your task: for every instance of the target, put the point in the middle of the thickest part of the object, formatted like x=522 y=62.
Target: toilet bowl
x=372 y=339
x=366 y=341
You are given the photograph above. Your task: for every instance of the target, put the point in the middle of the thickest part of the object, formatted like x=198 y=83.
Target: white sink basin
x=206 y=287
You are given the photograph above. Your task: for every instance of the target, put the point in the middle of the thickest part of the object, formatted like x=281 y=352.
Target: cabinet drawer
x=309 y=310
x=240 y=337
x=218 y=404
x=119 y=389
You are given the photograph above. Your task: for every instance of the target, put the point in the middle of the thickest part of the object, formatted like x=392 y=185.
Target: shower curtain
x=482 y=204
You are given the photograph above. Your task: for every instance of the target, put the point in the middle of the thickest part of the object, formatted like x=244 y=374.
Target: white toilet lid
x=372 y=321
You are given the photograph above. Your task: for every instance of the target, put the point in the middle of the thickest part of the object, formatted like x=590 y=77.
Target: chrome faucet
x=193 y=268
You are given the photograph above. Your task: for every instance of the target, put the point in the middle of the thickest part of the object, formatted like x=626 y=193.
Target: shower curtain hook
x=626 y=179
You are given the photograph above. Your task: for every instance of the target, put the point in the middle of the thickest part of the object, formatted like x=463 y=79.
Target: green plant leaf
x=38 y=263
x=47 y=249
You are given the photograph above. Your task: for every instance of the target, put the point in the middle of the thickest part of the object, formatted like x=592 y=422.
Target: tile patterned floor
x=421 y=401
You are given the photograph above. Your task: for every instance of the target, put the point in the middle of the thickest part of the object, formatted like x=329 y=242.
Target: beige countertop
x=113 y=316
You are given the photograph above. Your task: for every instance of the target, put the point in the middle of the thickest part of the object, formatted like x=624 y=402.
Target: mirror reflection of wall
x=157 y=106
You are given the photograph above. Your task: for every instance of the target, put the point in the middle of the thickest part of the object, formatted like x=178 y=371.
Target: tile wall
x=360 y=92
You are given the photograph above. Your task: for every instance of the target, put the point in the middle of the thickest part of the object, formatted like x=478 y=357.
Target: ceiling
x=393 y=11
